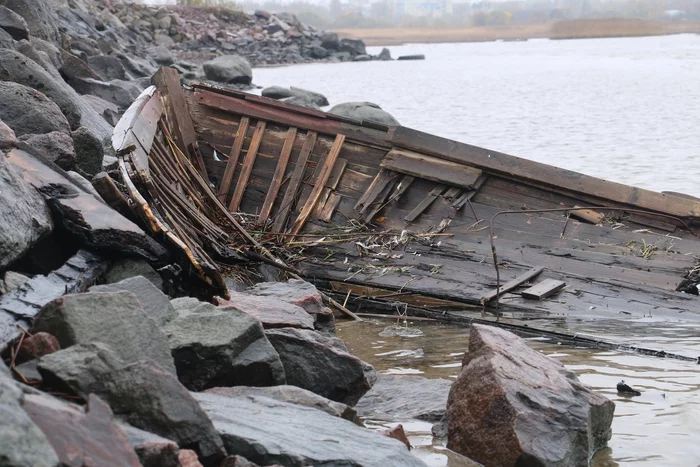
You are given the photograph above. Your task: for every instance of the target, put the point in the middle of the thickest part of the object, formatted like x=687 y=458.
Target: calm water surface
x=623 y=109
x=660 y=428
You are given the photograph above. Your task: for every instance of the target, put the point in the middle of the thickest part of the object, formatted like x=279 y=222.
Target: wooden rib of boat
x=397 y=216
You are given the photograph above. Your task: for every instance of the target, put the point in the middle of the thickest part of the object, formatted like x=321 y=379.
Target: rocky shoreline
x=106 y=361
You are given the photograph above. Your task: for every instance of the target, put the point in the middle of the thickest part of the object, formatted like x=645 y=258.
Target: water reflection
x=656 y=429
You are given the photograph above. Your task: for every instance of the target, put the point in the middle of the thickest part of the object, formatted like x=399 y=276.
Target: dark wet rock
x=544 y=415
x=88 y=150
x=128 y=267
x=293 y=395
x=321 y=364
x=362 y=111
x=22 y=443
x=28 y=111
x=405 y=396
x=161 y=55
x=397 y=433
x=214 y=347
x=330 y=41
x=77 y=436
x=12 y=281
x=153 y=450
x=353 y=46
x=267 y=431
x=318 y=52
x=73 y=68
x=279 y=92
x=119 y=92
x=301 y=101
x=37 y=345
x=8 y=139
x=230 y=69
x=107 y=67
x=22 y=208
x=362 y=58
x=23 y=304
x=626 y=390
x=85 y=217
x=271 y=312
x=14 y=24
x=155 y=303
x=384 y=55
x=56 y=147
x=39 y=15
x=240 y=461
x=142 y=393
x=412 y=57
x=116 y=319
x=302 y=294
x=16 y=67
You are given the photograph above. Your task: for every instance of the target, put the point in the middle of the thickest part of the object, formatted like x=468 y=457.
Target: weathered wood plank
x=295 y=182
x=430 y=168
x=167 y=80
x=537 y=172
x=247 y=168
x=330 y=207
x=544 y=289
x=651 y=222
x=427 y=201
x=320 y=183
x=278 y=176
x=233 y=157
x=507 y=287
x=380 y=181
x=588 y=215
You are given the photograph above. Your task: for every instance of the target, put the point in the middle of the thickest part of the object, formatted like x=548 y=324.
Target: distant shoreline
x=569 y=29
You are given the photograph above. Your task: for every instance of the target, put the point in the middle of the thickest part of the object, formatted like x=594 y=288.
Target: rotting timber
x=399 y=220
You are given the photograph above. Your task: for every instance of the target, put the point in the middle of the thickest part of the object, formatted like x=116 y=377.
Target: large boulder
x=14 y=24
x=8 y=139
x=142 y=393
x=300 y=293
x=511 y=405
x=321 y=364
x=108 y=67
x=78 y=436
x=129 y=267
x=293 y=395
x=22 y=443
x=268 y=431
x=39 y=15
x=56 y=147
x=353 y=46
x=116 y=319
x=272 y=313
x=17 y=67
x=279 y=92
x=330 y=41
x=119 y=92
x=88 y=151
x=363 y=111
x=155 y=303
x=214 y=347
x=28 y=111
x=229 y=69
x=394 y=397
x=22 y=208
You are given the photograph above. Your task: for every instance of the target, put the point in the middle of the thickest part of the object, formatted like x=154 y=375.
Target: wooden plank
x=320 y=183
x=290 y=117
x=330 y=207
x=468 y=195
x=588 y=215
x=651 y=222
x=331 y=185
x=295 y=181
x=507 y=287
x=375 y=188
x=430 y=168
x=380 y=201
x=427 y=201
x=544 y=289
x=278 y=176
x=233 y=158
x=167 y=81
x=537 y=172
x=247 y=167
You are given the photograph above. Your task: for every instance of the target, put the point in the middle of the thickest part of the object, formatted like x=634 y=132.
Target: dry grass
x=573 y=29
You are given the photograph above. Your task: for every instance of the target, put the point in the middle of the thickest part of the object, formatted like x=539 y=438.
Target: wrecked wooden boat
x=400 y=220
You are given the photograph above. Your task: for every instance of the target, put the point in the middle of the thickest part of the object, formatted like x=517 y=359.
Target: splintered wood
x=295 y=182
x=247 y=167
x=277 y=177
x=233 y=158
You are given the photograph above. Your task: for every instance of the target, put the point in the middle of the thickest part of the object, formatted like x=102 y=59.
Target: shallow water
x=623 y=109
x=658 y=428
